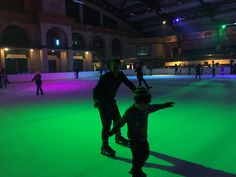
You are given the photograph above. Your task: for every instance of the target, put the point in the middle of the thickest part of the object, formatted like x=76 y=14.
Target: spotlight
x=223 y=26
x=164 y=22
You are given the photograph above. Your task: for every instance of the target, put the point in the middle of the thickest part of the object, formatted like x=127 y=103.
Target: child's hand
x=169 y=104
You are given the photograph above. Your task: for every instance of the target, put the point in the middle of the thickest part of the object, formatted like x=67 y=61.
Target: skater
x=38 y=81
x=213 y=69
x=104 y=99
x=3 y=78
x=136 y=118
x=76 y=73
x=222 y=70
x=198 y=71
x=139 y=73
x=176 y=69
x=189 y=69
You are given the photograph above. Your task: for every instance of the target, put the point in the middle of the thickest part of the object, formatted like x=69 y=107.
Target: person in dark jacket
x=38 y=81
x=3 y=78
x=104 y=99
x=136 y=118
x=198 y=71
x=139 y=73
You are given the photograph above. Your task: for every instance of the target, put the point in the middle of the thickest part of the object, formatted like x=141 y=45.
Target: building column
x=66 y=58
x=69 y=55
x=81 y=13
x=44 y=59
x=2 y=58
x=108 y=47
x=88 y=61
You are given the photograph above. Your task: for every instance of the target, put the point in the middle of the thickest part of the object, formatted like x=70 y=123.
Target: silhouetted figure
x=222 y=70
x=189 y=69
x=180 y=69
x=198 y=71
x=176 y=69
x=139 y=74
x=231 y=66
x=213 y=69
x=77 y=73
x=38 y=81
x=104 y=99
x=3 y=78
x=136 y=118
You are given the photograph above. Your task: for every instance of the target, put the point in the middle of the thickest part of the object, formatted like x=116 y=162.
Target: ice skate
x=137 y=174
x=108 y=151
x=121 y=140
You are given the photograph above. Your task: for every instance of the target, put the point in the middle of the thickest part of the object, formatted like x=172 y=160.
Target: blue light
x=57 y=42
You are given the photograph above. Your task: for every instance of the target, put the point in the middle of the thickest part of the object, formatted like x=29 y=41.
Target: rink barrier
x=95 y=74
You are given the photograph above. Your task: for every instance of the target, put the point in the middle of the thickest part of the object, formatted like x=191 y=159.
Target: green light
x=223 y=26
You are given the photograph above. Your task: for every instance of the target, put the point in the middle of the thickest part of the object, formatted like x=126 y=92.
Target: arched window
x=56 y=38
x=78 y=42
x=99 y=48
x=116 y=48
x=15 y=36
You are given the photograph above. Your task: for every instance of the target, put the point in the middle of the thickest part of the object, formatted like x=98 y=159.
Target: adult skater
x=136 y=118
x=139 y=73
x=104 y=99
x=38 y=81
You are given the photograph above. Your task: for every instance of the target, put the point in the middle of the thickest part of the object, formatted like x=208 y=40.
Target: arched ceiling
x=147 y=16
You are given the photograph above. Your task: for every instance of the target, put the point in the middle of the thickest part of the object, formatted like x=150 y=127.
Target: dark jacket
x=137 y=121
x=139 y=71
x=108 y=84
x=37 y=79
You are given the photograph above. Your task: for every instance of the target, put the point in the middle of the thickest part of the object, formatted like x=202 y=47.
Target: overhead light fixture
x=78 y=1
x=164 y=22
x=132 y=14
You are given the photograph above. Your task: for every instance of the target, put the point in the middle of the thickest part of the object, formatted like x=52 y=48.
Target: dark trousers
x=108 y=112
x=39 y=88
x=3 y=80
x=140 y=153
x=140 y=80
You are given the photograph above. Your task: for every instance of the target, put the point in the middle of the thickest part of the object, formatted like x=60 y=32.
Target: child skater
x=136 y=118
x=38 y=81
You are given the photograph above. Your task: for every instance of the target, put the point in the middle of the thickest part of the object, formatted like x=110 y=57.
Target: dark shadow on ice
x=181 y=167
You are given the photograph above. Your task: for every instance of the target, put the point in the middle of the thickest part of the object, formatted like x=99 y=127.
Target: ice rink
x=58 y=134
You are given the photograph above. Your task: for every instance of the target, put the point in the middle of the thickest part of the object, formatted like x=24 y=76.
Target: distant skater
x=139 y=73
x=76 y=73
x=3 y=78
x=213 y=69
x=198 y=71
x=38 y=81
x=222 y=70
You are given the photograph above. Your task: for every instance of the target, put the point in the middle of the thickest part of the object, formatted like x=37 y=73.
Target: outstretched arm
x=156 y=107
x=127 y=82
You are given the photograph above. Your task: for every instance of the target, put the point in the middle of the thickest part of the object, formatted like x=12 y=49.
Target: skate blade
x=108 y=155
x=122 y=143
